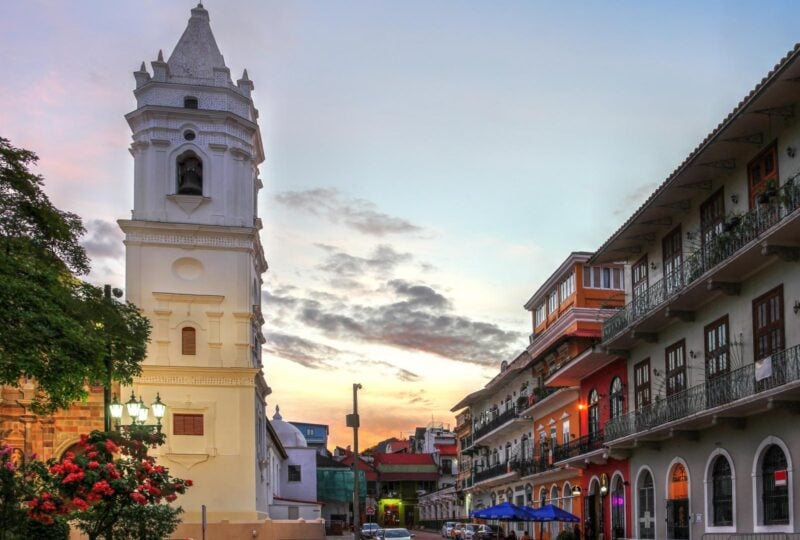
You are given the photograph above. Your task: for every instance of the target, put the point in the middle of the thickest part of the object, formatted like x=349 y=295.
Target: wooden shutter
x=187 y=424
x=188 y=341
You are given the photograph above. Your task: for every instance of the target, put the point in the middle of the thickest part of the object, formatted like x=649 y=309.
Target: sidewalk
x=345 y=536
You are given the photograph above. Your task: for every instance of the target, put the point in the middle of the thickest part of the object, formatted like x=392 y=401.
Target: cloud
x=384 y=260
x=420 y=319
x=300 y=350
x=103 y=239
x=358 y=214
x=407 y=376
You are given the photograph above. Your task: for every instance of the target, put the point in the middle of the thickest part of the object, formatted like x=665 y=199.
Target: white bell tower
x=193 y=264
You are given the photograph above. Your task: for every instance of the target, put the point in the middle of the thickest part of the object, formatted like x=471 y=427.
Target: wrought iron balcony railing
x=578 y=447
x=496 y=422
x=491 y=472
x=527 y=467
x=722 y=390
x=739 y=231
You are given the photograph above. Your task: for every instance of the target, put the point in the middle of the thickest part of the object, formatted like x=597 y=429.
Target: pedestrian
x=577 y=532
x=525 y=536
x=511 y=535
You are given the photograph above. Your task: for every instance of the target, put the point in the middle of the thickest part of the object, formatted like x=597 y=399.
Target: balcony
x=531 y=466
x=492 y=472
x=734 y=394
x=578 y=448
x=503 y=418
x=719 y=265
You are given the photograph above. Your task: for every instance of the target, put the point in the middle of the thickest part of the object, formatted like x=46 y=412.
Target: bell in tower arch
x=190 y=175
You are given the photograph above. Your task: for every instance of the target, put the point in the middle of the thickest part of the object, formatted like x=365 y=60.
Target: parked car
x=484 y=532
x=447 y=529
x=368 y=530
x=393 y=534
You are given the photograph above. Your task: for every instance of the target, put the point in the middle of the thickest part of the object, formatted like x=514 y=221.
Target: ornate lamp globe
x=133 y=407
x=115 y=408
x=159 y=409
x=143 y=411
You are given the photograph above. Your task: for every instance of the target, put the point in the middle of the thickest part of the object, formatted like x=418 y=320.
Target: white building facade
x=193 y=265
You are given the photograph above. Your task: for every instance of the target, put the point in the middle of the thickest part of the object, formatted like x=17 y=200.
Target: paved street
x=418 y=535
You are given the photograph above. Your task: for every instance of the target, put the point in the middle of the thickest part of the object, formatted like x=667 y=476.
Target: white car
x=447 y=528
x=393 y=534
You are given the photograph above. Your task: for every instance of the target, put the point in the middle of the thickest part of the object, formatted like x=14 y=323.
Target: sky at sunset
x=428 y=165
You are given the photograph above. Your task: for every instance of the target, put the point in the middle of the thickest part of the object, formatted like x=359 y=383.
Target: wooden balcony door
x=676 y=368
x=762 y=174
x=639 y=273
x=717 y=357
x=768 y=323
x=672 y=248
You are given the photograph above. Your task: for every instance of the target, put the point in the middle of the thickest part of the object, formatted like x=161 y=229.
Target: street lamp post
x=107 y=292
x=353 y=421
x=138 y=411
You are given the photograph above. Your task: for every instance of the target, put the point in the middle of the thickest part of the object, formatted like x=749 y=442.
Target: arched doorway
x=678 y=503
x=617 y=508
x=646 y=516
x=593 y=511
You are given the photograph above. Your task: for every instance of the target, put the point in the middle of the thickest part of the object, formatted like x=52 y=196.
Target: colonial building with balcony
x=569 y=459
x=500 y=440
x=711 y=330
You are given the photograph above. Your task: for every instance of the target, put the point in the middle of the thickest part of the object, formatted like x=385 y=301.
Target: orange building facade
x=524 y=424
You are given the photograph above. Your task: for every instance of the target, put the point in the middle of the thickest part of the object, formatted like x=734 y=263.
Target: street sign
x=370 y=510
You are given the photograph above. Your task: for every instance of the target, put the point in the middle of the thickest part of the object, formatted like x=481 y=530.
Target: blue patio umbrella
x=548 y=512
x=503 y=512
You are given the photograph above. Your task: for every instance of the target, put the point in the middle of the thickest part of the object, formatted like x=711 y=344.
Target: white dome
x=289 y=435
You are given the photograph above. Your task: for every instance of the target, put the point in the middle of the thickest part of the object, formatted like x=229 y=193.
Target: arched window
x=525 y=448
x=721 y=493
x=646 y=508
x=618 y=507
x=774 y=487
x=617 y=398
x=594 y=414
x=567 y=491
x=495 y=457
x=188 y=341
x=508 y=452
x=542 y=496
x=189 y=174
x=529 y=495
x=555 y=498
x=190 y=102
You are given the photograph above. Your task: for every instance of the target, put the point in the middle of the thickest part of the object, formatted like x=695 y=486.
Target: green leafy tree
x=54 y=327
x=151 y=522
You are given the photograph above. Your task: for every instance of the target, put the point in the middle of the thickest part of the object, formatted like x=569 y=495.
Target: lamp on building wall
x=576 y=491
x=796 y=307
x=735 y=198
x=653 y=266
x=790 y=151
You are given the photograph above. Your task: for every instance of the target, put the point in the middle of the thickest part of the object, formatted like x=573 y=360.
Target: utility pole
x=353 y=422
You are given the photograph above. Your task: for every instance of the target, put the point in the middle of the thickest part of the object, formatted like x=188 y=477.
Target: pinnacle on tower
x=197 y=56
x=160 y=55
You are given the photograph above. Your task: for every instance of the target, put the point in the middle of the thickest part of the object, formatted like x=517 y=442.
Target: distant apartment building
x=316 y=436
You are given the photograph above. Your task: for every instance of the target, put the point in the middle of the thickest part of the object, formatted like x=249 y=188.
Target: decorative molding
x=190 y=240
x=194 y=380
x=189 y=298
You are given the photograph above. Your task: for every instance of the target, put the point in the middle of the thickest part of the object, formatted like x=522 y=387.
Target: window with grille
x=647 y=516
x=616 y=398
x=774 y=486
x=188 y=341
x=641 y=379
x=187 y=424
x=189 y=102
x=294 y=473
x=722 y=493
